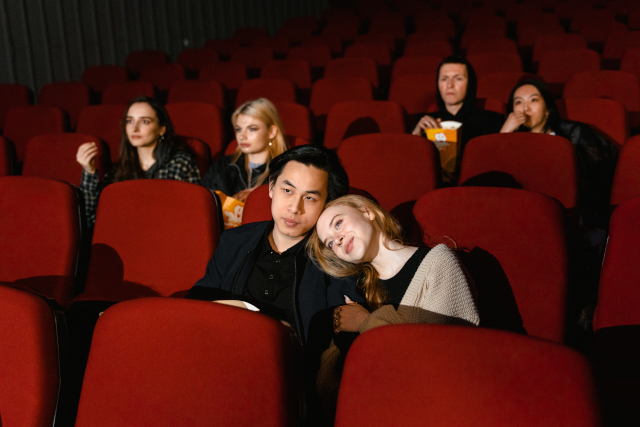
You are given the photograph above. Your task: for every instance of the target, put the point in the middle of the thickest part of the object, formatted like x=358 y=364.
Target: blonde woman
x=260 y=136
x=401 y=284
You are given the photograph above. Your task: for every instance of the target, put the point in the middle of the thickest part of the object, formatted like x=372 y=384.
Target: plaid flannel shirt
x=181 y=167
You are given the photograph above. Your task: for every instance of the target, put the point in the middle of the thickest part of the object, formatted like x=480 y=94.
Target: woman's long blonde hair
x=367 y=274
x=263 y=110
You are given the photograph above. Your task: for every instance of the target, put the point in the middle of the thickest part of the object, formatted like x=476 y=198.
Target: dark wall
x=55 y=40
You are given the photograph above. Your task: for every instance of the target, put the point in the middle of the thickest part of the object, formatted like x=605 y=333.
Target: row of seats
x=218 y=365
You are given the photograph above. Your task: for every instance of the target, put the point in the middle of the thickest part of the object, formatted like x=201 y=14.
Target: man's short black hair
x=320 y=158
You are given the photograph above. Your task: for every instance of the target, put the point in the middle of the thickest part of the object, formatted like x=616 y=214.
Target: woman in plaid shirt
x=148 y=149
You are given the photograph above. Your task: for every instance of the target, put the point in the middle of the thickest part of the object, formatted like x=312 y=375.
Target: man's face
x=297 y=199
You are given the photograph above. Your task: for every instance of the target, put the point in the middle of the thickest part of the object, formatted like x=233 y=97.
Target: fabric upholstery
x=139 y=59
x=100 y=76
x=209 y=91
x=327 y=92
x=123 y=93
x=103 y=121
x=198 y=120
x=23 y=123
x=70 y=97
x=272 y=89
x=626 y=180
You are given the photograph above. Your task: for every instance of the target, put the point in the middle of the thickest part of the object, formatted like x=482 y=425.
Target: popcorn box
x=448 y=141
x=231 y=210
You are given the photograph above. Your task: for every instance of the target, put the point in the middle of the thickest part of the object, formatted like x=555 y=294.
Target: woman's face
x=452 y=83
x=348 y=232
x=142 y=125
x=252 y=134
x=528 y=101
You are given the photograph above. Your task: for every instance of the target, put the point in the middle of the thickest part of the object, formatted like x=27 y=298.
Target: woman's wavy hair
x=367 y=275
x=554 y=116
x=263 y=110
x=128 y=166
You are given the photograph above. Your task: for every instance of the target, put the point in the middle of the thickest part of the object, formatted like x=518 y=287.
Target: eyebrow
x=316 y=192
x=143 y=117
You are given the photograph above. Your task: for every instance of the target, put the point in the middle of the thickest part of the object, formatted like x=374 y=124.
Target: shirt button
x=271 y=276
x=266 y=292
x=277 y=261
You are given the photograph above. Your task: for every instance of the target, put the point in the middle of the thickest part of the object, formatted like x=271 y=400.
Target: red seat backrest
x=415 y=65
x=13 y=95
x=103 y=121
x=198 y=120
x=228 y=74
x=209 y=363
x=297 y=71
x=514 y=248
x=490 y=63
x=353 y=67
x=414 y=92
x=163 y=76
x=23 y=123
x=557 y=66
x=626 y=180
x=327 y=92
x=40 y=231
x=194 y=59
x=123 y=93
x=613 y=125
x=296 y=119
x=6 y=157
x=100 y=76
x=139 y=59
x=608 y=84
x=272 y=89
x=70 y=97
x=209 y=91
x=253 y=57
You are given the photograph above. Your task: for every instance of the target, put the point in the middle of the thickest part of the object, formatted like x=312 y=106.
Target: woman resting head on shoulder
x=456 y=86
x=260 y=137
x=401 y=284
x=148 y=149
x=532 y=108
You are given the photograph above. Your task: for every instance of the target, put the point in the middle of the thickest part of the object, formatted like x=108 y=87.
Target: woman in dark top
x=149 y=149
x=260 y=137
x=532 y=108
x=456 y=87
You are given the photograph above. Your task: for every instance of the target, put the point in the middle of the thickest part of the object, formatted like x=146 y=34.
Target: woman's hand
x=513 y=122
x=348 y=318
x=242 y=195
x=86 y=156
x=427 y=122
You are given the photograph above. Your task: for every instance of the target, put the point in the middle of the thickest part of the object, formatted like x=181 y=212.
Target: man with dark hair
x=266 y=263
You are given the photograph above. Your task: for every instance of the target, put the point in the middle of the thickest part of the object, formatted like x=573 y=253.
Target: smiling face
x=252 y=134
x=527 y=100
x=452 y=83
x=142 y=125
x=297 y=199
x=349 y=232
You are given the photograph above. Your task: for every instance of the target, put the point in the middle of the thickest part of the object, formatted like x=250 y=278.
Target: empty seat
x=327 y=92
x=618 y=43
x=556 y=67
x=32 y=336
x=415 y=65
x=123 y=93
x=100 y=76
x=378 y=52
x=631 y=61
x=229 y=74
x=13 y=95
x=23 y=123
x=198 y=120
x=497 y=85
x=426 y=47
x=414 y=92
x=453 y=375
x=6 y=157
x=296 y=120
x=209 y=363
x=490 y=63
x=140 y=59
x=40 y=235
x=553 y=42
x=585 y=17
x=488 y=33
x=530 y=32
x=162 y=76
x=297 y=71
x=199 y=151
x=317 y=50
x=347 y=119
x=224 y=48
x=247 y=35
x=279 y=45
x=379 y=38
x=353 y=67
x=516 y=159
x=103 y=121
x=252 y=57
x=70 y=97
x=499 y=45
x=406 y=166
x=392 y=24
x=518 y=285
x=194 y=59
x=130 y=259
x=346 y=31
x=626 y=181
x=209 y=91
x=613 y=125
x=272 y=89
x=596 y=35
x=53 y=156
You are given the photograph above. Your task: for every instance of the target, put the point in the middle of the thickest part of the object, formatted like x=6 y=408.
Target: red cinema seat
x=497 y=86
x=520 y=285
x=7 y=154
x=499 y=45
x=163 y=76
x=630 y=62
x=13 y=95
x=353 y=67
x=378 y=52
x=210 y=364
x=198 y=120
x=194 y=59
x=626 y=180
x=104 y=122
x=616 y=321
x=296 y=120
x=53 y=156
x=257 y=206
x=123 y=93
x=346 y=31
x=70 y=97
x=530 y=32
x=428 y=47
x=427 y=34
x=199 y=151
x=485 y=33
x=253 y=57
x=585 y=17
x=272 y=89
x=32 y=335
x=516 y=159
x=279 y=45
x=140 y=59
x=101 y=76
x=131 y=259
x=415 y=65
x=23 y=123
x=432 y=21
x=228 y=74
x=617 y=44
x=415 y=93
x=394 y=168
x=392 y=24
x=490 y=63
x=347 y=119
x=556 y=67
x=455 y=375
x=317 y=55
x=224 y=48
x=553 y=42
x=384 y=38
x=40 y=235
x=613 y=125
x=327 y=92
x=297 y=71
x=209 y=91
x=248 y=35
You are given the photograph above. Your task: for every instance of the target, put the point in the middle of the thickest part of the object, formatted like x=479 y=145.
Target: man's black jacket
x=233 y=260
